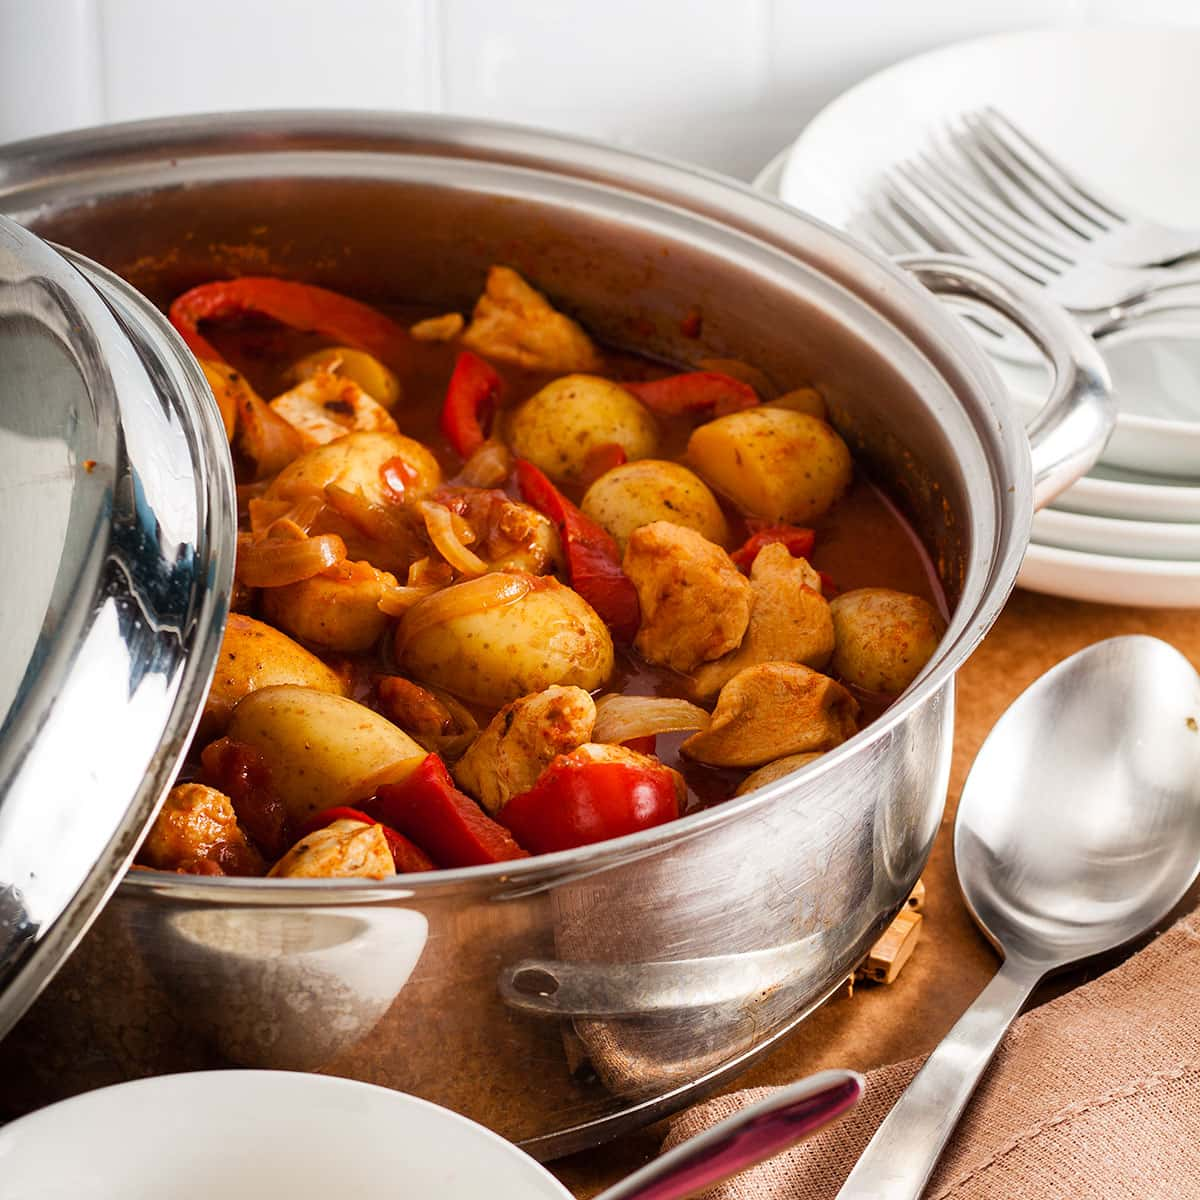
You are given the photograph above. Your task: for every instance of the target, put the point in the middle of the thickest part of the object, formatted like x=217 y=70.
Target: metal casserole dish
x=562 y=1000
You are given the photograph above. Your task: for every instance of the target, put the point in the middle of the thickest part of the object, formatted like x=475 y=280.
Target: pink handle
x=748 y=1137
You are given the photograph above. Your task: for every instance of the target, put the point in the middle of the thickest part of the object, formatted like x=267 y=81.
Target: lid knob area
x=117 y=541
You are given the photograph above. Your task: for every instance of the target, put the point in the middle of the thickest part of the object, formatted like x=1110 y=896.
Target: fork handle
x=899 y=1159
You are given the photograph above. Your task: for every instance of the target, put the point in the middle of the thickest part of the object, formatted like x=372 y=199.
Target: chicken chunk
x=695 y=602
x=510 y=754
x=197 y=825
x=328 y=406
x=773 y=710
x=790 y=621
x=515 y=323
x=342 y=850
x=509 y=535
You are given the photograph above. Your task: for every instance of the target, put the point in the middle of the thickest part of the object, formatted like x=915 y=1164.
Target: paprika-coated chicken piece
x=196 y=825
x=342 y=850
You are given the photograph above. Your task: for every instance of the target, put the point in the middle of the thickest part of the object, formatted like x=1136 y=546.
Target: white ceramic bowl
x=1127 y=539
x=258 y=1135
x=1139 y=582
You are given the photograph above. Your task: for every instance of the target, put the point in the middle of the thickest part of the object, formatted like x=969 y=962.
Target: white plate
x=1129 y=497
x=1136 y=141
x=1104 y=535
x=1144 y=582
x=252 y=1135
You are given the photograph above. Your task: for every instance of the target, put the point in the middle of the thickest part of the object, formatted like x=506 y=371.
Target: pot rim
x=891 y=292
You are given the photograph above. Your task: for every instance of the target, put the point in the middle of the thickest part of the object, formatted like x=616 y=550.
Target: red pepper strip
x=593 y=560
x=405 y=855
x=238 y=770
x=695 y=391
x=599 y=460
x=448 y=825
x=799 y=543
x=299 y=305
x=828 y=587
x=577 y=801
x=471 y=399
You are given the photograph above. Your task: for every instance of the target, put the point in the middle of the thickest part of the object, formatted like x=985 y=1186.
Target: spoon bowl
x=1079 y=825
x=1078 y=830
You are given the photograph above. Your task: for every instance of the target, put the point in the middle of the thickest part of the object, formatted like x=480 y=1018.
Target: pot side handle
x=1068 y=435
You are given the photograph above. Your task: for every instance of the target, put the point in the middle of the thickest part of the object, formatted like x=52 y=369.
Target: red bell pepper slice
x=405 y=855
x=599 y=460
x=579 y=800
x=593 y=559
x=238 y=770
x=300 y=305
x=694 y=392
x=799 y=543
x=448 y=825
x=471 y=398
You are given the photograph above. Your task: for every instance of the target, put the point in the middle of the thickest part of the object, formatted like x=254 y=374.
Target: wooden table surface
x=878 y=1025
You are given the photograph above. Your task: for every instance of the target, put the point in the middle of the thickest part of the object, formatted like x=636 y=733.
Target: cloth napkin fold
x=1095 y=1094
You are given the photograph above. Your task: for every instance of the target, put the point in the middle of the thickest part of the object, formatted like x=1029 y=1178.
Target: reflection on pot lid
x=117 y=542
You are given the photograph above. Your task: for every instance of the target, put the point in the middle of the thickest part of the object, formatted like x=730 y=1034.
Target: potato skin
x=491 y=654
x=640 y=493
x=254 y=655
x=557 y=427
x=773 y=463
x=353 y=462
x=883 y=638
x=775 y=770
x=335 y=612
x=322 y=750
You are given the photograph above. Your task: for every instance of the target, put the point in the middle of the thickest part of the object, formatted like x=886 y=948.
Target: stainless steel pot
x=569 y=998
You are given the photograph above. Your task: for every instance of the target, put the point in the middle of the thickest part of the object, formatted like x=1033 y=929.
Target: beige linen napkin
x=1095 y=1094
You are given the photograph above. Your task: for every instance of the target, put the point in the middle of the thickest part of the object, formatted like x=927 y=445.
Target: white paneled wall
x=721 y=82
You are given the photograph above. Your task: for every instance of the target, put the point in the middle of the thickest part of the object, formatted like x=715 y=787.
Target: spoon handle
x=901 y=1156
x=749 y=1136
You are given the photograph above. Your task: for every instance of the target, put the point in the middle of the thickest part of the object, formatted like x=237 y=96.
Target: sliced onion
x=275 y=562
x=488 y=467
x=396 y=601
x=624 y=718
x=264 y=437
x=439 y=523
x=494 y=590
x=375 y=521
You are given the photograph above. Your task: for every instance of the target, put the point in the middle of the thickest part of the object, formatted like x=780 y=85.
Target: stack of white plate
x=1129 y=533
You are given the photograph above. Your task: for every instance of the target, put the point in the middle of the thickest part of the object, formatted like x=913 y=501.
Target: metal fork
x=953 y=214
x=1034 y=183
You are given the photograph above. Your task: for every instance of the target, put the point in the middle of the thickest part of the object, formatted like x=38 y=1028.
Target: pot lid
x=117 y=541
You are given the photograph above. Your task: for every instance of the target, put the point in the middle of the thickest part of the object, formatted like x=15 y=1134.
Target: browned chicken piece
x=328 y=406
x=790 y=621
x=342 y=850
x=508 y=534
x=773 y=710
x=515 y=323
x=507 y=758
x=197 y=825
x=695 y=602
x=776 y=770
x=438 y=329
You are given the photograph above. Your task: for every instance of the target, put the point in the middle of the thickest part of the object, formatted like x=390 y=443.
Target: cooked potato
x=364 y=369
x=196 y=823
x=322 y=750
x=557 y=427
x=507 y=758
x=504 y=635
x=695 y=603
x=771 y=711
x=254 y=655
x=342 y=850
x=789 y=622
x=883 y=638
x=803 y=400
x=639 y=493
x=355 y=462
x=776 y=770
x=338 y=610
x=772 y=462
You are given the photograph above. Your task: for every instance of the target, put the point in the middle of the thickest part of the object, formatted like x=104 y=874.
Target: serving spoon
x=757 y=1132
x=1077 y=831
